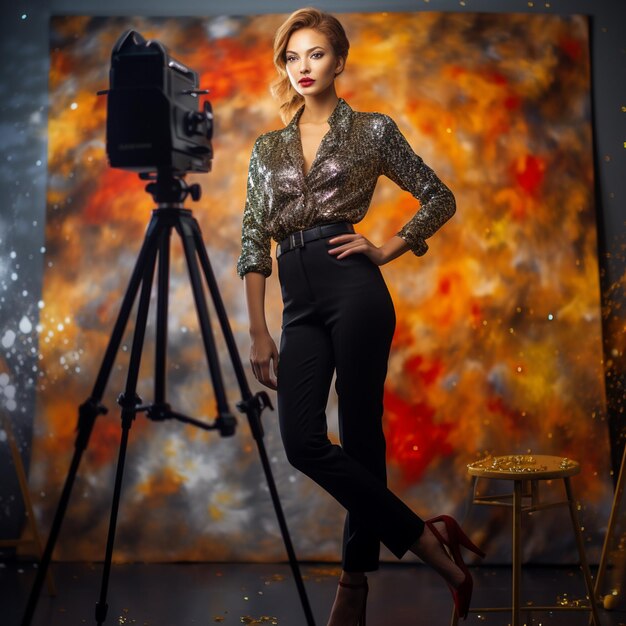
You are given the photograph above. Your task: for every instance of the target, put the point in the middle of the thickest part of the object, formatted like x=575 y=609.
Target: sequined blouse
x=356 y=150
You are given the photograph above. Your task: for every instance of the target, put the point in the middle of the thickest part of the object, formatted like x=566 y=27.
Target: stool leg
x=581 y=552
x=534 y=492
x=470 y=498
x=517 y=552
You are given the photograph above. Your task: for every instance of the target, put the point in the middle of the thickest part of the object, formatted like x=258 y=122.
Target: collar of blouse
x=339 y=121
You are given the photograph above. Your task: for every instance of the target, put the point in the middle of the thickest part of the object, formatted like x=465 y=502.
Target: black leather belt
x=298 y=238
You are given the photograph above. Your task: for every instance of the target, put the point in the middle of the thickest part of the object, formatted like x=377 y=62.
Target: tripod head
x=167 y=188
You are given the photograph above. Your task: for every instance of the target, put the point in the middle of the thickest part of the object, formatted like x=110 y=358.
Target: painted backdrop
x=497 y=348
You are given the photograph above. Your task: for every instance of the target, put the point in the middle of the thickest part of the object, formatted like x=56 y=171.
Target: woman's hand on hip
x=356 y=243
x=264 y=357
x=345 y=245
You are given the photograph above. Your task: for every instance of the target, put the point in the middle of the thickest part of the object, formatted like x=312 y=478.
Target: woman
x=307 y=185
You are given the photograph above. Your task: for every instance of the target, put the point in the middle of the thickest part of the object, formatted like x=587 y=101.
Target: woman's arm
x=407 y=169
x=255 y=238
x=263 y=351
x=393 y=248
x=253 y=266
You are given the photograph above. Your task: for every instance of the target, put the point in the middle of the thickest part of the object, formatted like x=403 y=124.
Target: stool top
x=524 y=467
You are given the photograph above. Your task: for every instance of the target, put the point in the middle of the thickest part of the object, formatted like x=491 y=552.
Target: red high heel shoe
x=363 y=585
x=462 y=595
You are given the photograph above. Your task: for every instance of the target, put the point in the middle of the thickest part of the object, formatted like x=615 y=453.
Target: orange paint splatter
x=475 y=312
x=426 y=371
x=116 y=191
x=403 y=335
x=444 y=285
x=512 y=102
x=495 y=77
x=510 y=418
x=160 y=485
x=104 y=442
x=529 y=173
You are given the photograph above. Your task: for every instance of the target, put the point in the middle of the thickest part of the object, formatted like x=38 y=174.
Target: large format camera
x=153 y=121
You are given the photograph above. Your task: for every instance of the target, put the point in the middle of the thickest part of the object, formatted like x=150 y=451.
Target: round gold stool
x=525 y=471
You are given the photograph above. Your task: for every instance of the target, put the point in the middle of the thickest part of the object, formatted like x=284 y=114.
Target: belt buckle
x=292 y=239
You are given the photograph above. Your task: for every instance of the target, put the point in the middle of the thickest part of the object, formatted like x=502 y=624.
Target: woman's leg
x=312 y=286
x=305 y=373
x=306 y=367
x=361 y=368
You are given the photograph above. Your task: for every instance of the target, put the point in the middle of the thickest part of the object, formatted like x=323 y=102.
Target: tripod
x=169 y=193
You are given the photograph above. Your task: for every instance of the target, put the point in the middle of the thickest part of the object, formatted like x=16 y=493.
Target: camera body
x=153 y=120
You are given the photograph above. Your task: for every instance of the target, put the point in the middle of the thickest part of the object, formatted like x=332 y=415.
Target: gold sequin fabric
x=358 y=148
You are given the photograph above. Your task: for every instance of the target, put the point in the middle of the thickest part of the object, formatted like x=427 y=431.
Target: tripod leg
x=220 y=309
x=147 y=252
x=254 y=418
x=161 y=319
x=185 y=229
x=87 y=416
x=88 y=413
x=128 y=402
x=128 y=414
x=293 y=561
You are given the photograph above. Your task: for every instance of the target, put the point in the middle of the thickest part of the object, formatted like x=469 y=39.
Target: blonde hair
x=309 y=17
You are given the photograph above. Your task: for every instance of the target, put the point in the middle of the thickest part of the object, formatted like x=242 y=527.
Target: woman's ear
x=341 y=63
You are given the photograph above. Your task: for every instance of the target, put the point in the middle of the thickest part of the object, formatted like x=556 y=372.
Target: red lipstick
x=306 y=82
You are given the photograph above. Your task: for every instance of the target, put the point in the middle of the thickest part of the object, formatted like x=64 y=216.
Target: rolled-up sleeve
x=255 y=241
x=405 y=168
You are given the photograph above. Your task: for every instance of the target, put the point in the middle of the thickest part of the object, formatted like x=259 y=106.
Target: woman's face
x=311 y=62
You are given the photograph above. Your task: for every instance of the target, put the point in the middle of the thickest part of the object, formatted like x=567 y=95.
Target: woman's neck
x=317 y=109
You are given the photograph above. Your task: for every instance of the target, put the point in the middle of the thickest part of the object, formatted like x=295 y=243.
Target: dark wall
x=23 y=150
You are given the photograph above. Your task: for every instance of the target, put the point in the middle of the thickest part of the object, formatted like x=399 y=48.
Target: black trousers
x=338 y=315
